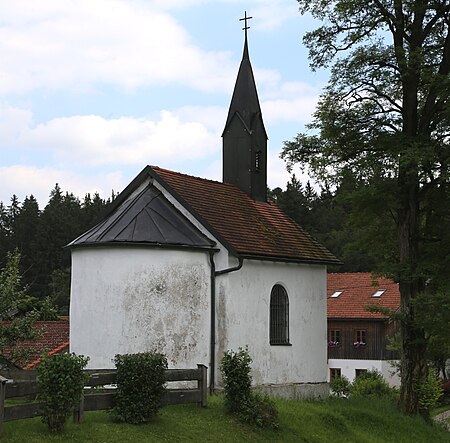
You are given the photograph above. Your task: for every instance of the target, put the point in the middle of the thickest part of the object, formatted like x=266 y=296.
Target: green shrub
x=261 y=411
x=140 y=386
x=248 y=406
x=370 y=385
x=237 y=380
x=340 y=386
x=61 y=380
x=429 y=393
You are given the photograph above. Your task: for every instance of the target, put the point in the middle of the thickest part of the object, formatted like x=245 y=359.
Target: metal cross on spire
x=245 y=18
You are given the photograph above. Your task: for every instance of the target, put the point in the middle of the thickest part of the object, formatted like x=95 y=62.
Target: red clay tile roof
x=53 y=338
x=358 y=289
x=250 y=228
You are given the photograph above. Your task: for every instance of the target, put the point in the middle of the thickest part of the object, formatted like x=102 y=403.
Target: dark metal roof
x=245 y=102
x=145 y=218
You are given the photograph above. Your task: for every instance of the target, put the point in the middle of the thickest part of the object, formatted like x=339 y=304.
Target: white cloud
x=290 y=101
x=273 y=13
x=26 y=180
x=277 y=175
x=62 y=44
x=270 y=14
x=299 y=109
x=91 y=140
x=12 y=122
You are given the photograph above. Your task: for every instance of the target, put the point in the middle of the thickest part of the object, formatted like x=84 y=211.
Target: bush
x=61 y=380
x=140 y=386
x=249 y=406
x=340 y=386
x=237 y=381
x=261 y=411
x=370 y=385
x=429 y=393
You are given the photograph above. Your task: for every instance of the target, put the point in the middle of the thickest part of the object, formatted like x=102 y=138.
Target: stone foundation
x=297 y=391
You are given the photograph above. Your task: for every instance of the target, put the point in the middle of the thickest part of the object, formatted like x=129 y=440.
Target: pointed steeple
x=244 y=136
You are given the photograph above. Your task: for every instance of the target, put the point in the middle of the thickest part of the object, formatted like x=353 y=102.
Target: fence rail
x=96 y=401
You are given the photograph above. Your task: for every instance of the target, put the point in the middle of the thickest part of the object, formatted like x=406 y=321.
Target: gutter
x=212 y=350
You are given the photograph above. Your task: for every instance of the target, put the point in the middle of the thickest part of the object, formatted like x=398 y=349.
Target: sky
x=93 y=91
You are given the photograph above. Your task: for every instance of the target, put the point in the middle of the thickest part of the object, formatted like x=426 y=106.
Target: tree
x=14 y=326
x=59 y=223
x=327 y=217
x=24 y=239
x=385 y=118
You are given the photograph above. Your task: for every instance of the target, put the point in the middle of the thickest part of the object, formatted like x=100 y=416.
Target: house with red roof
x=52 y=337
x=357 y=338
x=194 y=267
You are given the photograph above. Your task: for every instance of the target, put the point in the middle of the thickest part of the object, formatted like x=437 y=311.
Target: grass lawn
x=333 y=420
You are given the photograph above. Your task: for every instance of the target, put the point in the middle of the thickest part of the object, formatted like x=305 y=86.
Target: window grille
x=258 y=161
x=279 y=316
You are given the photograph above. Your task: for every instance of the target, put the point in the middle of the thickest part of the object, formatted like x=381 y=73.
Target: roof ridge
x=156 y=168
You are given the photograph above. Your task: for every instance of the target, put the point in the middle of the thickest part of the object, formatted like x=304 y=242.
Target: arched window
x=279 y=316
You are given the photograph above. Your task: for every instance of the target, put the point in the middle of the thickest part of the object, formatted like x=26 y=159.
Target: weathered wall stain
x=164 y=307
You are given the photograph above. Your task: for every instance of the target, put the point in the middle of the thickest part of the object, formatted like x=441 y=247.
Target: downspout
x=212 y=351
x=212 y=335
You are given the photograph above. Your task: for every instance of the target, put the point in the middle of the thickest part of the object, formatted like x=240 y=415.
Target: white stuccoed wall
x=243 y=299
x=348 y=368
x=135 y=299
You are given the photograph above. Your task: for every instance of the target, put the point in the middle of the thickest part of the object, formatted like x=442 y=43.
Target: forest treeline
x=40 y=235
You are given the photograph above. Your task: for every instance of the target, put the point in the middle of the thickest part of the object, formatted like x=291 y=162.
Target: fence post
x=203 y=386
x=3 y=381
x=78 y=412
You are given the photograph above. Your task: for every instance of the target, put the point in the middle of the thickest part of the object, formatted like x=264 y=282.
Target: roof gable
x=145 y=217
x=357 y=292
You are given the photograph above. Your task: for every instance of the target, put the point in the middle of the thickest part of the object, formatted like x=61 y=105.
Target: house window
x=279 y=316
x=359 y=372
x=334 y=338
x=335 y=372
x=360 y=338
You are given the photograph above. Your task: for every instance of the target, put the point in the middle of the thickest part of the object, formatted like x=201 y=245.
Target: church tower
x=244 y=136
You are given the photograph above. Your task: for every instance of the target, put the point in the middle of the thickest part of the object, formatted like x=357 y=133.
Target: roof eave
x=289 y=259
x=143 y=245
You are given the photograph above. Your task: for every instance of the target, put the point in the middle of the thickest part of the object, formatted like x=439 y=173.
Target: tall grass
x=333 y=420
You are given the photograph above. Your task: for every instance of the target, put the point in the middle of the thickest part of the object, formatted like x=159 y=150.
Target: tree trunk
x=413 y=360
x=413 y=356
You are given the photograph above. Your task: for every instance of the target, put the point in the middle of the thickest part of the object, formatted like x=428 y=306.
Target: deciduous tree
x=385 y=118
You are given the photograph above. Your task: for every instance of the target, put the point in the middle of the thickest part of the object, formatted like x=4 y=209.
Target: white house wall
x=348 y=369
x=131 y=299
x=243 y=299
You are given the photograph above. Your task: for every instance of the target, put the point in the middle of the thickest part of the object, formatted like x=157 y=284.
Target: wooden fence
x=94 y=399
